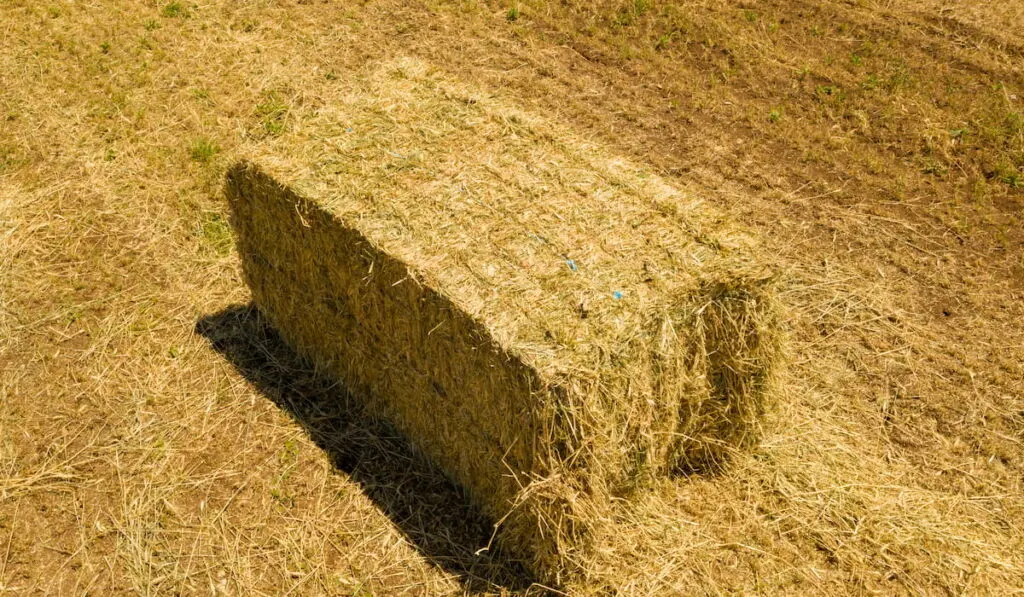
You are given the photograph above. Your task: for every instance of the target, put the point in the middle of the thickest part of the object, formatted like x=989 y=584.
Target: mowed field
x=157 y=438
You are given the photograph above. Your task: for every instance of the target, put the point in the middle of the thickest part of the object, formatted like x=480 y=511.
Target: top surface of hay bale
x=562 y=250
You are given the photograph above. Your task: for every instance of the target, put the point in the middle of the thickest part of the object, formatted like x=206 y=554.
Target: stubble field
x=157 y=438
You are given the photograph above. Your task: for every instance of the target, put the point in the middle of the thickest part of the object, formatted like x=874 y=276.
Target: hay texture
x=551 y=325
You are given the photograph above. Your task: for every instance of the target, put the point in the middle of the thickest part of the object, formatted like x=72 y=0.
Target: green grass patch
x=273 y=113
x=202 y=150
x=1010 y=176
x=215 y=233
x=174 y=10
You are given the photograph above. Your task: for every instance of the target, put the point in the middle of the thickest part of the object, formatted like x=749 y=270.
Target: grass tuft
x=216 y=234
x=202 y=150
x=174 y=10
x=273 y=113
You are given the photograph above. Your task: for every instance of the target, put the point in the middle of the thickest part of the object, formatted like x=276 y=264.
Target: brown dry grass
x=875 y=146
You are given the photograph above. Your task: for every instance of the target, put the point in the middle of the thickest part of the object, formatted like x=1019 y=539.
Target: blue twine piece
x=571 y=264
x=617 y=295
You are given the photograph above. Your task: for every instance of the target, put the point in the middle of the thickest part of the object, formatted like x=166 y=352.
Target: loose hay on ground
x=552 y=325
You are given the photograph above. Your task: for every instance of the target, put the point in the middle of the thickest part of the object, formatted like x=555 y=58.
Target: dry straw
x=551 y=325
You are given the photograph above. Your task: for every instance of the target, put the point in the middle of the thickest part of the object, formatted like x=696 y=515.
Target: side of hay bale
x=361 y=315
x=552 y=325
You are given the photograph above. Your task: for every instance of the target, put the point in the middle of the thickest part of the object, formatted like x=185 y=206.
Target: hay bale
x=552 y=325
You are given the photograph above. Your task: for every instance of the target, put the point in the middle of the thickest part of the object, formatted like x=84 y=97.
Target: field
x=156 y=437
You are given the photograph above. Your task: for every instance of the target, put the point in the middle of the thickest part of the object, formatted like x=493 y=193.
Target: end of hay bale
x=735 y=353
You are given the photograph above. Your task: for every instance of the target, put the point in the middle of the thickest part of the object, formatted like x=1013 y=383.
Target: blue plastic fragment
x=616 y=295
x=571 y=264
x=349 y=130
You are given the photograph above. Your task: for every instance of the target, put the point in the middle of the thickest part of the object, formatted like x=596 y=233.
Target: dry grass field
x=156 y=437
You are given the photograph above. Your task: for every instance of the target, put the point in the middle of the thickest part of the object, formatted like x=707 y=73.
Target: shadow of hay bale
x=434 y=514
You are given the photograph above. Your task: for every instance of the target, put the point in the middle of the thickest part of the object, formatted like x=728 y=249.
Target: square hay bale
x=552 y=325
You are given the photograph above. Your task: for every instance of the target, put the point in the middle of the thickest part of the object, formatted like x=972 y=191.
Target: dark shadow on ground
x=434 y=514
